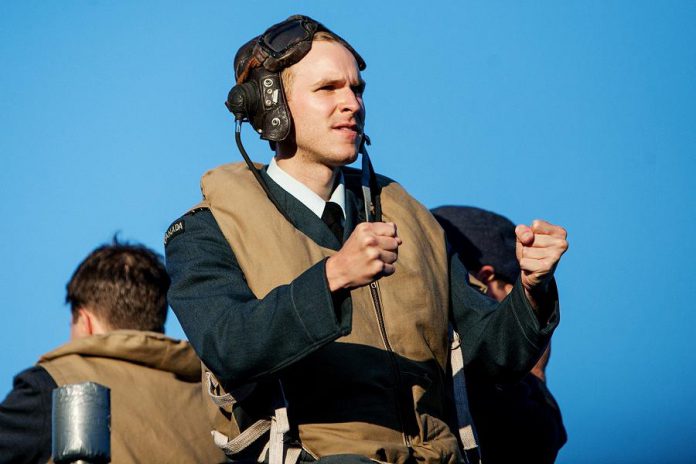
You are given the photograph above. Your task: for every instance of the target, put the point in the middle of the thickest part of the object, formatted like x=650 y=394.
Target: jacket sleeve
x=501 y=341
x=241 y=338
x=25 y=418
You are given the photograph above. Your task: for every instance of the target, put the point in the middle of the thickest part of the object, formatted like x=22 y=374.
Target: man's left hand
x=539 y=248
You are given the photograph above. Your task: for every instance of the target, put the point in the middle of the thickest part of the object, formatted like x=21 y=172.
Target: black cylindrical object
x=82 y=423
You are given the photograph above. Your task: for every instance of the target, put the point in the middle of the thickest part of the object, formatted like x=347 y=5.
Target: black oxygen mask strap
x=373 y=207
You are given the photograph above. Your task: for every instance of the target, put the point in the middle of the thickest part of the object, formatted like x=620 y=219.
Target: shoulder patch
x=174 y=230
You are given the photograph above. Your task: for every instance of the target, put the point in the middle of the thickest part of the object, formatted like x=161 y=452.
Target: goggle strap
x=251 y=64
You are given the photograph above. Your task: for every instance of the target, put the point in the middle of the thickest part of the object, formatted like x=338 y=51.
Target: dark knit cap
x=481 y=237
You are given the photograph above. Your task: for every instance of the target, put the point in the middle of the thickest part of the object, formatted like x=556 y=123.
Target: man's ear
x=82 y=324
x=486 y=274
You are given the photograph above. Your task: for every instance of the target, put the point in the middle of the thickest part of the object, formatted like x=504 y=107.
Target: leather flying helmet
x=259 y=96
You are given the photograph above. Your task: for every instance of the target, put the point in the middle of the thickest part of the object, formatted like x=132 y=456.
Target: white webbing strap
x=227 y=399
x=264 y=451
x=278 y=424
x=279 y=427
x=213 y=387
x=467 y=435
x=292 y=454
x=243 y=440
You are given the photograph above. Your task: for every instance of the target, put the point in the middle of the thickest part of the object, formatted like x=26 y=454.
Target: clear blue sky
x=580 y=112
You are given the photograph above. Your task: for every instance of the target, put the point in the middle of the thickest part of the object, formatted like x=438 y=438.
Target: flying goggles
x=286 y=43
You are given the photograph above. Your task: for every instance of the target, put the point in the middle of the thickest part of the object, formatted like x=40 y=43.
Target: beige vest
x=379 y=390
x=157 y=412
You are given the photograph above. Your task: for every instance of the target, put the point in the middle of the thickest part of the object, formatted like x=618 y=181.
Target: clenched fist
x=369 y=253
x=539 y=248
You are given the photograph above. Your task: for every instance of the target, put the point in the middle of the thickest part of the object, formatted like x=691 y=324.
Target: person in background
x=516 y=422
x=118 y=303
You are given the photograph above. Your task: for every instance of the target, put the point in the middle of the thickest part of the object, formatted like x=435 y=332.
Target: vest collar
x=150 y=349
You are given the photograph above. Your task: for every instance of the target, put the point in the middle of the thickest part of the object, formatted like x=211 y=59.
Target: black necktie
x=332 y=216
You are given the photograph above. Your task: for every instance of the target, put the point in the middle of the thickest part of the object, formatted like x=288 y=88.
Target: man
x=117 y=297
x=288 y=292
x=518 y=421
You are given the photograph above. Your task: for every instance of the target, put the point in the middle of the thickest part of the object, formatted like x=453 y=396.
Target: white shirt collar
x=303 y=193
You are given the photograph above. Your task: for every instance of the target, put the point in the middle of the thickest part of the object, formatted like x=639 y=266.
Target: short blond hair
x=286 y=74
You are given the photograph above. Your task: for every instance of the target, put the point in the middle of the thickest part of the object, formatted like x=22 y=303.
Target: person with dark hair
x=118 y=301
x=122 y=286
x=517 y=421
x=320 y=297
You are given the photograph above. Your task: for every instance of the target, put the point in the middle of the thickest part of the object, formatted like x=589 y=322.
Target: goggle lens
x=284 y=36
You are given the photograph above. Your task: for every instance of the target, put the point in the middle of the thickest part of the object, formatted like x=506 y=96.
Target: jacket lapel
x=303 y=218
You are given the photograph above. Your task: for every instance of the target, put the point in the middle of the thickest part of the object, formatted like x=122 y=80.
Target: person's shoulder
x=195 y=218
x=383 y=180
x=25 y=417
x=34 y=378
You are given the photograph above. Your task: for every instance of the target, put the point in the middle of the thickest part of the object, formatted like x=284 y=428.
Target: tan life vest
x=380 y=390
x=157 y=411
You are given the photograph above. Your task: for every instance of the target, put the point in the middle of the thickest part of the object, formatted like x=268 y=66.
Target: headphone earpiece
x=261 y=101
x=242 y=100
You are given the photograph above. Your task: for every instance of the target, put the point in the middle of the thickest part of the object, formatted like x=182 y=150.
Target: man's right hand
x=369 y=253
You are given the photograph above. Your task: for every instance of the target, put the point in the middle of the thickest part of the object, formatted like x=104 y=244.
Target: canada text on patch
x=174 y=230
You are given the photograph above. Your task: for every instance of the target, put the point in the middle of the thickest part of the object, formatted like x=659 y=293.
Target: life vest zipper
x=377 y=303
